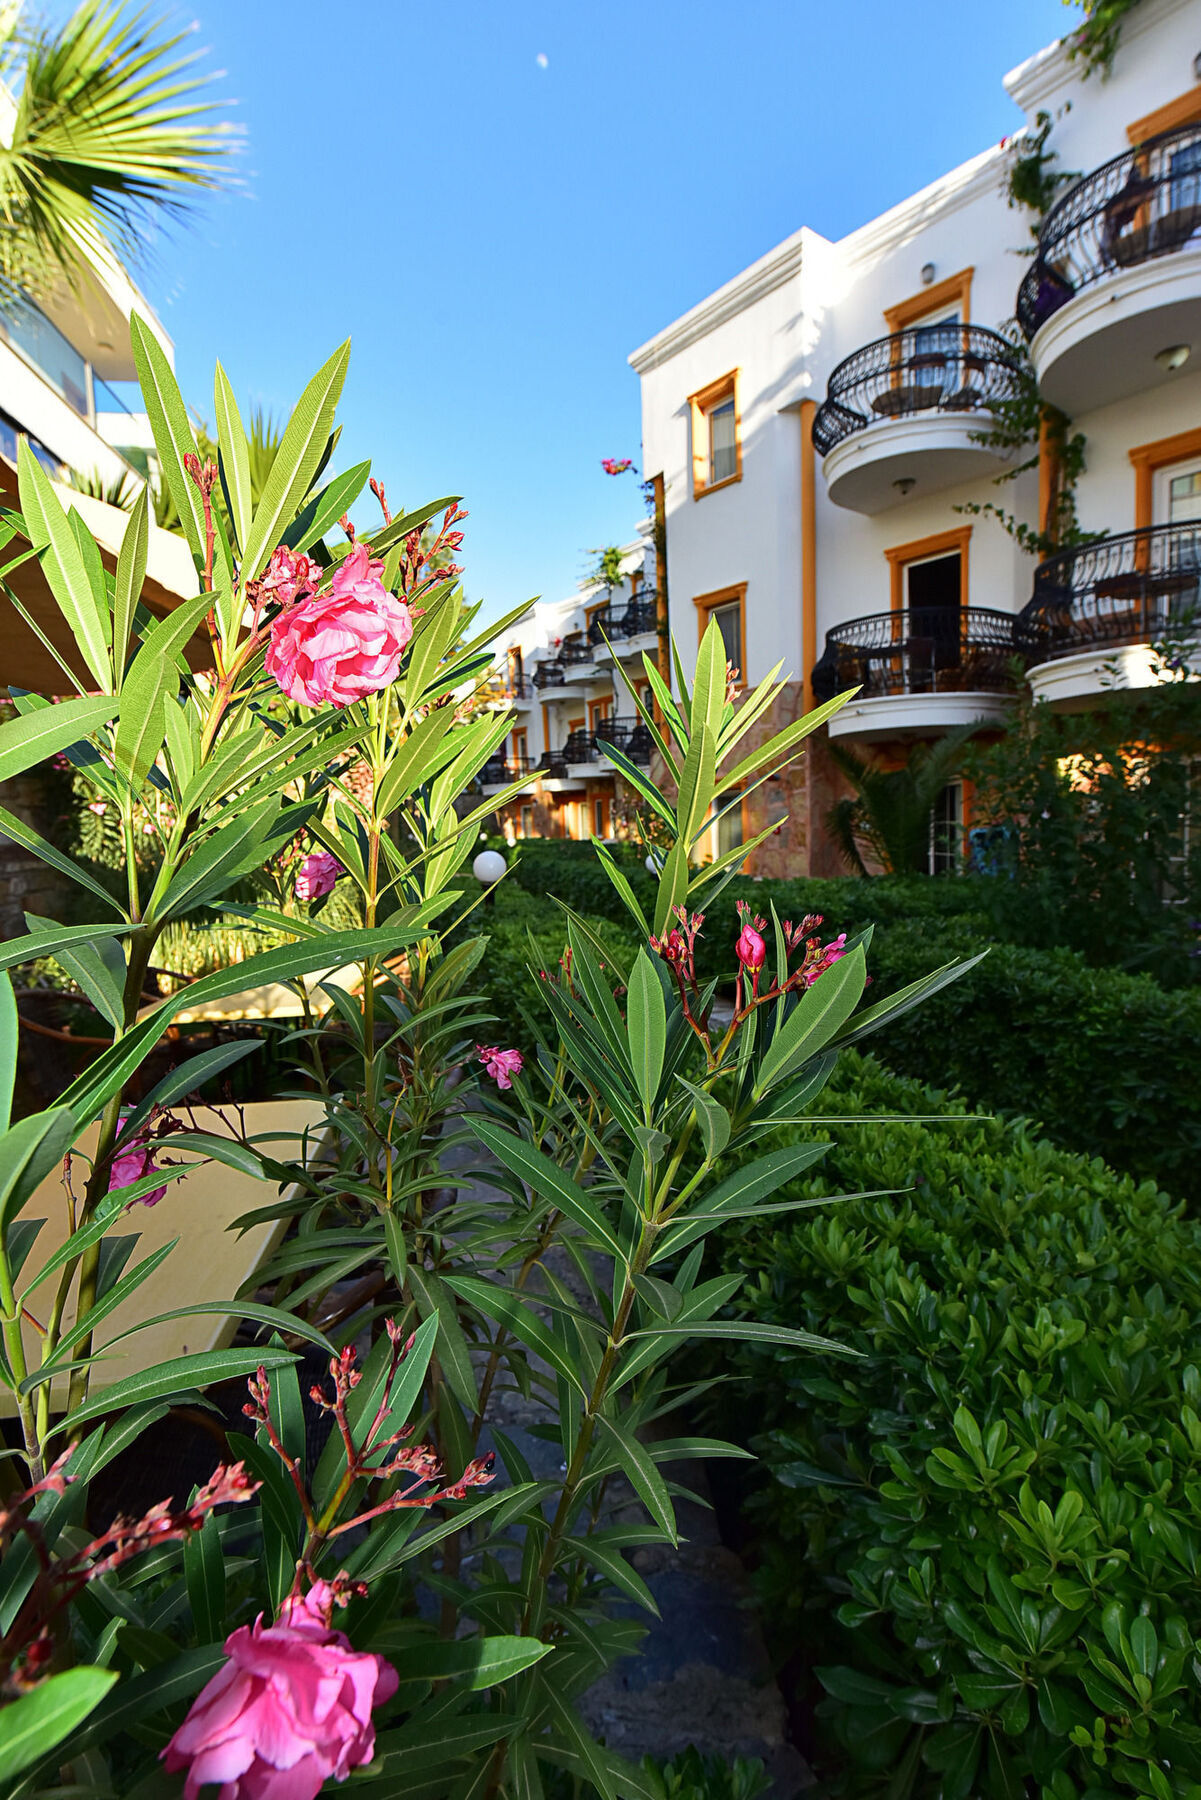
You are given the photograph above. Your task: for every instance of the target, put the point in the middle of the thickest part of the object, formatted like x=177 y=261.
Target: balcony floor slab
x=932 y=451
x=918 y=715
x=1074 y=683
x=1101 y=345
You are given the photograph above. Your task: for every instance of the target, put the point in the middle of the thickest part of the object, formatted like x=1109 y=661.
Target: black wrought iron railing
x=627 y=735
x=919 y=650
x=577 y=655
x=553 y=764
x=578 y=747
x=550 y=674
x=931 y=368
x=1145 y=203
x=498 y=771
x=1141 y=587
x=616 y=622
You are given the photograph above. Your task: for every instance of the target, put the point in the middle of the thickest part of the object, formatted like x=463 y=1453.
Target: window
x=716 y=435
x=527 y=821
x=946 y=829
x=727 y=826
x=1178 y=495
x=934 y=302
x=728 y=607
x=600 y=816
x=43 y=344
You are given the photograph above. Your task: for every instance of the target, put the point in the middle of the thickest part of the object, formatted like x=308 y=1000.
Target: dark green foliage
x=887 y=818
x=985 y=1533
x=1110 y=1064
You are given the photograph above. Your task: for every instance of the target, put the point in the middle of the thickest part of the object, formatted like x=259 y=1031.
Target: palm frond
x=112 y=123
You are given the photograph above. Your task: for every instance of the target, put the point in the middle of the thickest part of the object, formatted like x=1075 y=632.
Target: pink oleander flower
x=501 y=1065
x=289 y=576
x=291 y=1708
x=130 y=1164
x=616 y=465
x=831 y=953
x=317 y=875
x=99 y=807
x=750 y=949
x=342 y=645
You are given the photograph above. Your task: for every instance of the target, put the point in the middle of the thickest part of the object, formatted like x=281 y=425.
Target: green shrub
x=1110 y=1064
x=988 y=1528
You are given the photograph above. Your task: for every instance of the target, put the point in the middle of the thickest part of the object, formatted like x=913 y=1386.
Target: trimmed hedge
x=987 y=1532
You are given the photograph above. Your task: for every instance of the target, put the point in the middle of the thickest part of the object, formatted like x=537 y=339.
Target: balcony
x=555 y=773
x=908 y=411
x=630 y=629
x=1117 y=276
x=579 y=661
x=501 y=691
x=1112 y=613
x=550 y=678
x=500 y=771
x=923 y=669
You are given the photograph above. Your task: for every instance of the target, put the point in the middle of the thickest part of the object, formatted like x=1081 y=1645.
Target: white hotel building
x=815 y=427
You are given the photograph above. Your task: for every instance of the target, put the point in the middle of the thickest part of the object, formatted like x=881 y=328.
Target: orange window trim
x=933 y=299
x=598 y=710
x=1148 y=458
x=940 y=544
x=699 y=406
x=705 y=603
x=1184 y=110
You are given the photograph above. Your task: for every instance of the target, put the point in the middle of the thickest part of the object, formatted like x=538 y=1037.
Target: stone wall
x=26 y=884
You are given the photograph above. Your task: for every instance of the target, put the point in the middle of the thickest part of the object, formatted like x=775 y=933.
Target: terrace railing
x=1140 y=587
x=919 y=650
x=1144 y=204
x=616 y=623
x=550 y=674
x=931 y=368
x=503 y=769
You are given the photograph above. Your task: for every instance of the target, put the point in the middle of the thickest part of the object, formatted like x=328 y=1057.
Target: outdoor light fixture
x=489 y=867
x=927 y=274
x=905 y=485
x=1197 y=65
x=1173 y=357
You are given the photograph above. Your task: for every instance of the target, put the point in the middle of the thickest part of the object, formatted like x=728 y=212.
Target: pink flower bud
x=750 y=949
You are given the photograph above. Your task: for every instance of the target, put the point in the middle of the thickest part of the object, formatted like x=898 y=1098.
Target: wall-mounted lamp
x=1197 y=65
x=1173 y=357
x=927 y=274
x=905 y=485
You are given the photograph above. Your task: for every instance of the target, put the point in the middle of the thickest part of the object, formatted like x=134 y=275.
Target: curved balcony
x=629 y=629
x=499 y=771
x=922 y=669
x=1112 y=613
x=579 y=660
x=550 y=677
x=908 y=412
x=1117 y=276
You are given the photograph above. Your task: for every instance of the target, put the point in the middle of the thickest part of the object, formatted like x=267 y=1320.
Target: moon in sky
x=542 y=60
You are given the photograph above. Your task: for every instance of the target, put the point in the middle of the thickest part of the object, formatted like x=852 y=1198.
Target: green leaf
x=64 y=566
x=322 y=512
x=186 y=1079
x=151 y=683
x=174 y=1377
x=10 y=1027
x=644 y=1477
x=24 y=834
x=32 y=1726
x=646 y=1022
x=243 y=843
x=549 y=1181
x=28 y=1151
x=296 y=463
x=145 y=1696
x=131 y=573
x=482 y=1661
x=817 y=1016
x=712 y=1118
x=235 y=456
x=503 y=1306
x=204 y=1574
x=603 y=1549
x=173 y=435
x=400 y=529
x=99 y=968
x=884 y=1011
x=35 y=736
x=433 y=1301
x=747 y=1331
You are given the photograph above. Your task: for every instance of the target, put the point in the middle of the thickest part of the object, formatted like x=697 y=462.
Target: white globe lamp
x=489 y=867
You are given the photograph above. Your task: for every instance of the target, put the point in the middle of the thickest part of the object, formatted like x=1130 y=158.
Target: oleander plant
x=449 y=1410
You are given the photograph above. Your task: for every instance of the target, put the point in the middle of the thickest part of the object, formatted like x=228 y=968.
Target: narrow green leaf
x=433 y=1301
x=235 y=456
x=713 y=1120
x=204 y=1574
x=10 y=1026
x=646 y=1022
x=173 y=435
x=644 y=1477
x=481 y=1662
x=505 y=1308
x=296 y=463
x=31 y=1726
x=174 y=1377
x=817 y=1017
x=36 y=736
x=66 y=571
x=131 y=573
x=549 y=1181
x=27 y=837
x=322 y=512
x=748 y=1331
x=28 y=1151
x=151 y=684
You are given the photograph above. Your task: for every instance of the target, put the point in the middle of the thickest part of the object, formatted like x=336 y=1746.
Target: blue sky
x=496 y=236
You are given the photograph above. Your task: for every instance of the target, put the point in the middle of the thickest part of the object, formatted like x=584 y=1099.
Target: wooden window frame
x=1184 y=110
x=705 y=604
x=595 y=714
x=700 y=405
x=1148 y=459
x=932 y=299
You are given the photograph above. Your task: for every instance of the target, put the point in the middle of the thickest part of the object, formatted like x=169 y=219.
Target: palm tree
x=109 y=127
x=887 y=819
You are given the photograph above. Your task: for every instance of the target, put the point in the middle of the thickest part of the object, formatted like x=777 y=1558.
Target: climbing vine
x=1095 y=42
